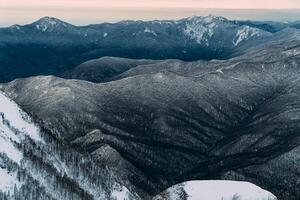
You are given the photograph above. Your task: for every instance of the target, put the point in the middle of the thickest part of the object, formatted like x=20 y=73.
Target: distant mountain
x=50 y=46
x=268 y=26
x=104 y=69
x=173 y=121
x=112 y=68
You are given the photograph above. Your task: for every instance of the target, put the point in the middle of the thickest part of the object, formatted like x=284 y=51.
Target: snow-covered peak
x=47 y=19
x=207 y=19
x=216 y=190
x=245 y=33
x=49 y=24
x=211 y=18
x=202 y=28
x=148 y=30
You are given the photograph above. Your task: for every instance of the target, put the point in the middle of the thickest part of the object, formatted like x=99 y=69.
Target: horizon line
x=82 y=17
x=133 y=20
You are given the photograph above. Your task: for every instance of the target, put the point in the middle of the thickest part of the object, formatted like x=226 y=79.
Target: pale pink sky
x=96 y=11
x=270 y=4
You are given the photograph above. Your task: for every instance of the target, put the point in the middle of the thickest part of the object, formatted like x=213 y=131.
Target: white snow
x=43 y=27
x=14 y=124
x=158 y=75
x=220 y=70
x=219 y=190
x=147 y=30
x=48 y=24
x=7 y=147
x=120 y=193
x=292 y=52
x=17 y=27
x=7 y=133
x=210 y=18
x=225 y=190
x=17 y=118
x=175 y=193
x=201 y=28
x=245 y=33
x=8 y=181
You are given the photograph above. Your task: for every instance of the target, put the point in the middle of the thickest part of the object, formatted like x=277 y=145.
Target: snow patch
x=147 y=30
x=217 y=190
x=220 y=70
x=8 y=181
x=292 y=52
x=48 y=24
x=120 y=193
x=17 y=118
x=201 y=28
x=7 y=147
x=17 y=28
x=159 y=75
x=245 y=33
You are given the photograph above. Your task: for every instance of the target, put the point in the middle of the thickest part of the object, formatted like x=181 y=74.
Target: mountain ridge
x=50 y=46
x=241 y=117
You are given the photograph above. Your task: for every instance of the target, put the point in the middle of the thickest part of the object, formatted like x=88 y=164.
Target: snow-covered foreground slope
x=215 y=190
x=36 y=166
x=17 y=118
x=15 y=126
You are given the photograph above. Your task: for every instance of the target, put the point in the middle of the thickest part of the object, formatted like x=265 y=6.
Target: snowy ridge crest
x=215 y=190
x=245 y=33
x=15 y=127
x=202 y=28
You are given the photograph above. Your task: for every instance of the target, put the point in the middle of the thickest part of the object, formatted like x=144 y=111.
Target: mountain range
x=158 y=123
x=150 y=110
x=50 y=46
